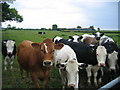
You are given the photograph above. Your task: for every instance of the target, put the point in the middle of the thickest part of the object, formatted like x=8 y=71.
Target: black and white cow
x=98 y=35
x=8 y=52
x=74 y=38
x=86 y=54
x=112 y=50
x=66 y=61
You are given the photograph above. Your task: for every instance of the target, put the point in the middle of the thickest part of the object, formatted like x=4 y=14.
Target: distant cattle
x=74 y=38
x=98 y=35
x=41 y=33
x=68 y=65
x=37 y=59
x=8 y=52
x=85 y=36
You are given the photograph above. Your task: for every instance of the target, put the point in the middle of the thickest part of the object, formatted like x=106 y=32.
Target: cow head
x=71 y=69
x=74 y=38
x=9 y=46
x=46 y=51
x=98 y=35
x=101 y=55
x=56 y=39
x=112 y=60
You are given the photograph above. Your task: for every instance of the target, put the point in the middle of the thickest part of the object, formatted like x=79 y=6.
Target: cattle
x=90 y=40
x=86 y=54
x=112 y=63
x=41 y=33
x=8 y=52
x=112 y=51
x=37 y=59
x=98 y=35
x=101 y=55
x=85 y=36
x=66 y=61
x=74 y=38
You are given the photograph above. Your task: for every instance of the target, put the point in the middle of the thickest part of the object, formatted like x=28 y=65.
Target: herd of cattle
x=89 y=52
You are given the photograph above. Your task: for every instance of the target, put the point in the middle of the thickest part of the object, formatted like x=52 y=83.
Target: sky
x=66 y=13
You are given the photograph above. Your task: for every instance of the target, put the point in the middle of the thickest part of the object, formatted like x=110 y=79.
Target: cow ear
x=82 y=65
x=59 y=46
x=102 y=34
x=80 y=37
x=61 y=65
x=35 y=45
x=93 y=33
x=70 y=37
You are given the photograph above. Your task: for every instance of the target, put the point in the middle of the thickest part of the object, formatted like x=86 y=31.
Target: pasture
x=11 y=78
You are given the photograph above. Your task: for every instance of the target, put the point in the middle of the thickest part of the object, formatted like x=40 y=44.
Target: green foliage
x=10 y=14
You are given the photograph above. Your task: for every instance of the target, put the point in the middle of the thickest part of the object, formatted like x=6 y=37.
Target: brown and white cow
x=37 y=59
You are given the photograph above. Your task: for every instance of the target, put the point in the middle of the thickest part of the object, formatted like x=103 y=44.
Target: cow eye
x=53 y=50
x=41 y=50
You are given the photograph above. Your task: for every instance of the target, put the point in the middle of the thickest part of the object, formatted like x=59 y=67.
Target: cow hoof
x=96 y=85
x=89 y=84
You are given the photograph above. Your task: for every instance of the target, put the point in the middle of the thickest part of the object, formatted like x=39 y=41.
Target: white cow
x=101 y=55
x=66 y=60
x=112 y=60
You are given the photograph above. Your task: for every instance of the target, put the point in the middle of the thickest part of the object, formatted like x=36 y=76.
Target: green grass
x=11 y=78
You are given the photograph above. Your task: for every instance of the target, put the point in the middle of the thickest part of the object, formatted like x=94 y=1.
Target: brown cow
x=37 y=59
x=90 y=40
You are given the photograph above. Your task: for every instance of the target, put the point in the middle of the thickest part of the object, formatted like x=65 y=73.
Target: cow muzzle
x=71 y=85
x=47 y=63
x=101 y=64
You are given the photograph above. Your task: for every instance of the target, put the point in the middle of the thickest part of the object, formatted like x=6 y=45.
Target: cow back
x=84 y=53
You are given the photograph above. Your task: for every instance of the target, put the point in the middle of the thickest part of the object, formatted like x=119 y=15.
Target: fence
x=110 y=84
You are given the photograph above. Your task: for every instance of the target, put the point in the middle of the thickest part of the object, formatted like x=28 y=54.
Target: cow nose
x=72 y=85
x=98 y=38
x=47 y=63
x=9 y=53
x=102 y=64
x=112 y=69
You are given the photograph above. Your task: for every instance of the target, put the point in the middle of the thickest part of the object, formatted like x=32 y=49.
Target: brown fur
x=31 y=56
x=90 y=40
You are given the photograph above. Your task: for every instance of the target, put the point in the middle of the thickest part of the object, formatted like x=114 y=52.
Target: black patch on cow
x=110 y=46
x=84 y=53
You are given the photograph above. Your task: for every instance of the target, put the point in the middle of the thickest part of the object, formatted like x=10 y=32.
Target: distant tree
x=54 y=26
x=98 y=29
x=10 y=14
x=79 y=27
x=9 y=26
x=92 y=27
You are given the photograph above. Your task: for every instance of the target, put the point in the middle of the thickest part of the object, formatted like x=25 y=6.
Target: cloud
x=64 y=13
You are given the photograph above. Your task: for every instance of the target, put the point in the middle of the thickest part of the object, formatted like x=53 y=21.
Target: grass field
x=11 y=78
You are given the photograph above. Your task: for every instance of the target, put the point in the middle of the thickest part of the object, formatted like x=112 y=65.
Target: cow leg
x=34 y=80
x=27 y=74
x=5 y=62
x=11 y=61
x=63 y=78
x=95 y=78
x=21 y=72
x=88 y=70
x=45 y=83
